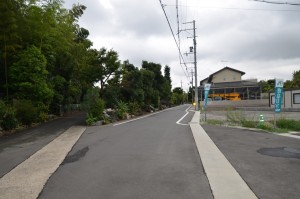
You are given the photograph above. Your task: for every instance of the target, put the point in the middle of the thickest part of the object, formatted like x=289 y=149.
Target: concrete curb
x=27 y=180
x=224 y=180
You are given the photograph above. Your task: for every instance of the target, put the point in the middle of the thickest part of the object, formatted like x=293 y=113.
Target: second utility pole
x=195 y=63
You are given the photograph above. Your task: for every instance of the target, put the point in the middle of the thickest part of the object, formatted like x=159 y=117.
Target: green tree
x=147 y=82
x=8 y=40
x=288 y=84
x=190 y=94
x=29 y=77
x=167 y=73
x=296 y=79
x=132 y=83
x=177 y=96
x=105 y=65
x=166 y=86
x=267 y=86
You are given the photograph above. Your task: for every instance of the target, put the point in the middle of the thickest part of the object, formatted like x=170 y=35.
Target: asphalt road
x=268 y=163
x=16 y=148
x=153 y=157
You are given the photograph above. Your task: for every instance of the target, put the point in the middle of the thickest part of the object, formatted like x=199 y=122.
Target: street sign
x=206 y=87
x=278 y=95
x=206 y=91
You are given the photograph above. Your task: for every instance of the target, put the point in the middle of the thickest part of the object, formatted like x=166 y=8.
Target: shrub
x=134 y=108
x=289 y=124
x=8 y=120
x=97 y=108
x=215 y=122
x=2 y=109
x=122 y=109
x=235 y=116
x=90 y=119
x=249 y=123
x=266 y=126
x=26 y=112
x=42 y=115
x=106 y=120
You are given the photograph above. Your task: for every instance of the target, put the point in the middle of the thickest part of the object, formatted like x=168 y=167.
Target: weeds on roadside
x=215 y=122
x=237 y=117
x=289 y=124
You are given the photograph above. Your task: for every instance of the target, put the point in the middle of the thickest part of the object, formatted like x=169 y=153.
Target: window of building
x=296 y=98
x=234 y=77
x=272 y=99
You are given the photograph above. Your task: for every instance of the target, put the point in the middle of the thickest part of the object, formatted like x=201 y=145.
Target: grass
x=289 y=124
x=215 y=122
x=239 y=118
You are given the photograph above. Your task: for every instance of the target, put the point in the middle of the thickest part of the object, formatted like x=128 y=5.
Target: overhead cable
x=162 y=6
x=278 y=2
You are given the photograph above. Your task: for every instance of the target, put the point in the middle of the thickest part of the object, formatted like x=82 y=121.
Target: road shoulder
x=224 y=180
x=28 y=178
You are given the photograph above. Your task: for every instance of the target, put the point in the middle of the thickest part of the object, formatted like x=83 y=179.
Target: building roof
x=225 y=68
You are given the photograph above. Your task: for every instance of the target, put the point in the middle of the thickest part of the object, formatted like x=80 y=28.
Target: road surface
x=153 y=157
x=16 y=148
x=268 y=163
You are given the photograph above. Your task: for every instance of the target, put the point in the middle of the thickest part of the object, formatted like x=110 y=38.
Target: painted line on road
x=141 y=117
x=28 y=179
x=187 y=112
x=224 y=180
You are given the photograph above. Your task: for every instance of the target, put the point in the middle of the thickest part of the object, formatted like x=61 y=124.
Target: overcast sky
x=260 y=39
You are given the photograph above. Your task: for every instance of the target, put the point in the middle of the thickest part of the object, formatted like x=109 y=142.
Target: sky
x=260 y=39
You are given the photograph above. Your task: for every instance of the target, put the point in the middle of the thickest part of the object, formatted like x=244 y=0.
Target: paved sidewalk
x=14 y=149
x=267 y=162
x=27 y=180
x=224 y=180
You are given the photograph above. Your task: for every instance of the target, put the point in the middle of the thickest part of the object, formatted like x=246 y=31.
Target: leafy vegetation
x=122 y=109
x=48 y=64
x=268 y=86
x=215 y=122
x=239 y=118
x=288 y=124
x=8 y=120
x=26 y=112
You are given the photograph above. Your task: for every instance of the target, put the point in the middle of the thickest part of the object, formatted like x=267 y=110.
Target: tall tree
x=132 y=83
x=296 y=79
x=29 y=77
x=167 y=74
x=8 y=40
x=106 y=64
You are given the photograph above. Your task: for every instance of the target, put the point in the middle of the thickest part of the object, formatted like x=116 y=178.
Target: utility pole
x=194 y=49
x=192 y=86
x=195 y=60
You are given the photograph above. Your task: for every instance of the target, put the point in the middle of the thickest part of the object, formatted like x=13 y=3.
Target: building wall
x=227 y=76
x=291 y=99
x=241 y=103
x=204 y=82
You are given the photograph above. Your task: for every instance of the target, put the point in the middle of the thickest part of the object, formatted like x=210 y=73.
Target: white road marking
x=141 y=117
x=224 y=180
x=27 y=180
x=187 y=112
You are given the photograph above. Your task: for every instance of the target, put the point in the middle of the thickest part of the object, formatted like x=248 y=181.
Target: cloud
x=260 y=39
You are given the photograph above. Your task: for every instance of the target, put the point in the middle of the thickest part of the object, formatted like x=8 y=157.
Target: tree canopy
x=48 y=63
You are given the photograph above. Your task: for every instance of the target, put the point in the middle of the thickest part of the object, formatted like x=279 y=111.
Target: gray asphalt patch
x=283 y=152
x=77 y=156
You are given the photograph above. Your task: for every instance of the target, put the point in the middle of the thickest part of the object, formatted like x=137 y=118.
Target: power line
x=236 y=8
x=278 y=2
x=162 y=6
